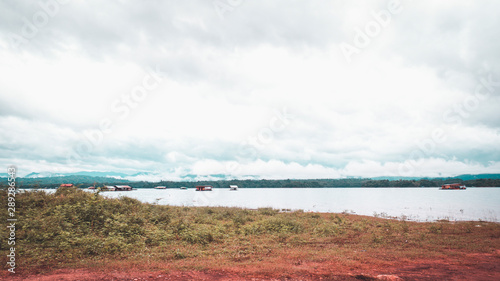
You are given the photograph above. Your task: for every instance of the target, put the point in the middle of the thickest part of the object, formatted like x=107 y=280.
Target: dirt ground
x=467 y=267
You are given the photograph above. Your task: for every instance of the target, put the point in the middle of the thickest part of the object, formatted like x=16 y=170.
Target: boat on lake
x=233 y=187
x=204 y=188
x=452 y=186
x=116 y=188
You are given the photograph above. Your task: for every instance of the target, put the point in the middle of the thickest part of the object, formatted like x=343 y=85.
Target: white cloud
x=224 y=80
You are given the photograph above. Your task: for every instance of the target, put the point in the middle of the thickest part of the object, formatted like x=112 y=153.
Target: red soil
x=465 y=267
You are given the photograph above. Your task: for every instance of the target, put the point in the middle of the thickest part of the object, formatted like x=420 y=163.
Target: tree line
x=85 y=181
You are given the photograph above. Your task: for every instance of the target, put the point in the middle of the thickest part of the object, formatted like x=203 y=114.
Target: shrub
x=435 y=229
x=273 y=225
x=326 y=230
x=268 y=211
x=201 y=235
x=79 y=223
x=68 y=191
x=338 y=219
x=179 y=255
x=240 y=219
x=157 y=237
x=404 y=227
x=159 y=215
x=315 y=216
x=114 y=244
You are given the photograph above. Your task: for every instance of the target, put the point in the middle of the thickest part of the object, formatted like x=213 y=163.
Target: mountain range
x=462 y=177
x=83 y=173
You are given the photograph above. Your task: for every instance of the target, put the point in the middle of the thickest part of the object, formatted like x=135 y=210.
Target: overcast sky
x=273 y=89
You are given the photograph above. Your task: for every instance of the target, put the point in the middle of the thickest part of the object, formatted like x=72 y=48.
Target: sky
x=250 y=89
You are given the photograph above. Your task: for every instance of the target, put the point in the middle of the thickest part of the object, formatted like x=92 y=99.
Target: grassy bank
x=75 y=229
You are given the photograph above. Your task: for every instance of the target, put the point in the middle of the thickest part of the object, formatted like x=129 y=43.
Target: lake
x=418 y=204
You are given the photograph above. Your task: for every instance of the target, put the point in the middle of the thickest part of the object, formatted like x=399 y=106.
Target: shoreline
x=415 y=204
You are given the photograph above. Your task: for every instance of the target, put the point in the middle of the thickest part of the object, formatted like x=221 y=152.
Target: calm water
x=421 y=204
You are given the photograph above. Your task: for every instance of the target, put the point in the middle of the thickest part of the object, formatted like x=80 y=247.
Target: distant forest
x=85 y=181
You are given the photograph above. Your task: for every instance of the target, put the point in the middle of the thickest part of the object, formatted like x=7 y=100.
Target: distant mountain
x=193 y=177
x=89 y=177
x=462 y=177
x=109 y=175
x=476 y=177
x=398 y=178
x=189 y=177
x=4 y=175
x=152 y=180
x=139 y=174
x=43 y=175
x=98 y=174
x=83 y=173
x=74 y=179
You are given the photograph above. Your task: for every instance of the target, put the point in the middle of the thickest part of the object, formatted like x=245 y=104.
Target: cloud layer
x=301 y=89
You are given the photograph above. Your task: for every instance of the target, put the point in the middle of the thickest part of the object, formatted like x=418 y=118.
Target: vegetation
x=72 y=228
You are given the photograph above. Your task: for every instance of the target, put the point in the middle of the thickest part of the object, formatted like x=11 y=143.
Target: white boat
x=233 y=187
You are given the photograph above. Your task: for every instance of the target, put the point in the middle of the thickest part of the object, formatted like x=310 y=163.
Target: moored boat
x=204 y=188
x=453 y=186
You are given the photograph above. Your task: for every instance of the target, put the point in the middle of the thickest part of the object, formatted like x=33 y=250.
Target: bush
x=81 y=222
x=241 y=218
x=202 y=235
x=159 y=215
x=326 y=230
x=273 y=225
x=179 y=255
x=268 y=211
x=435 y=229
